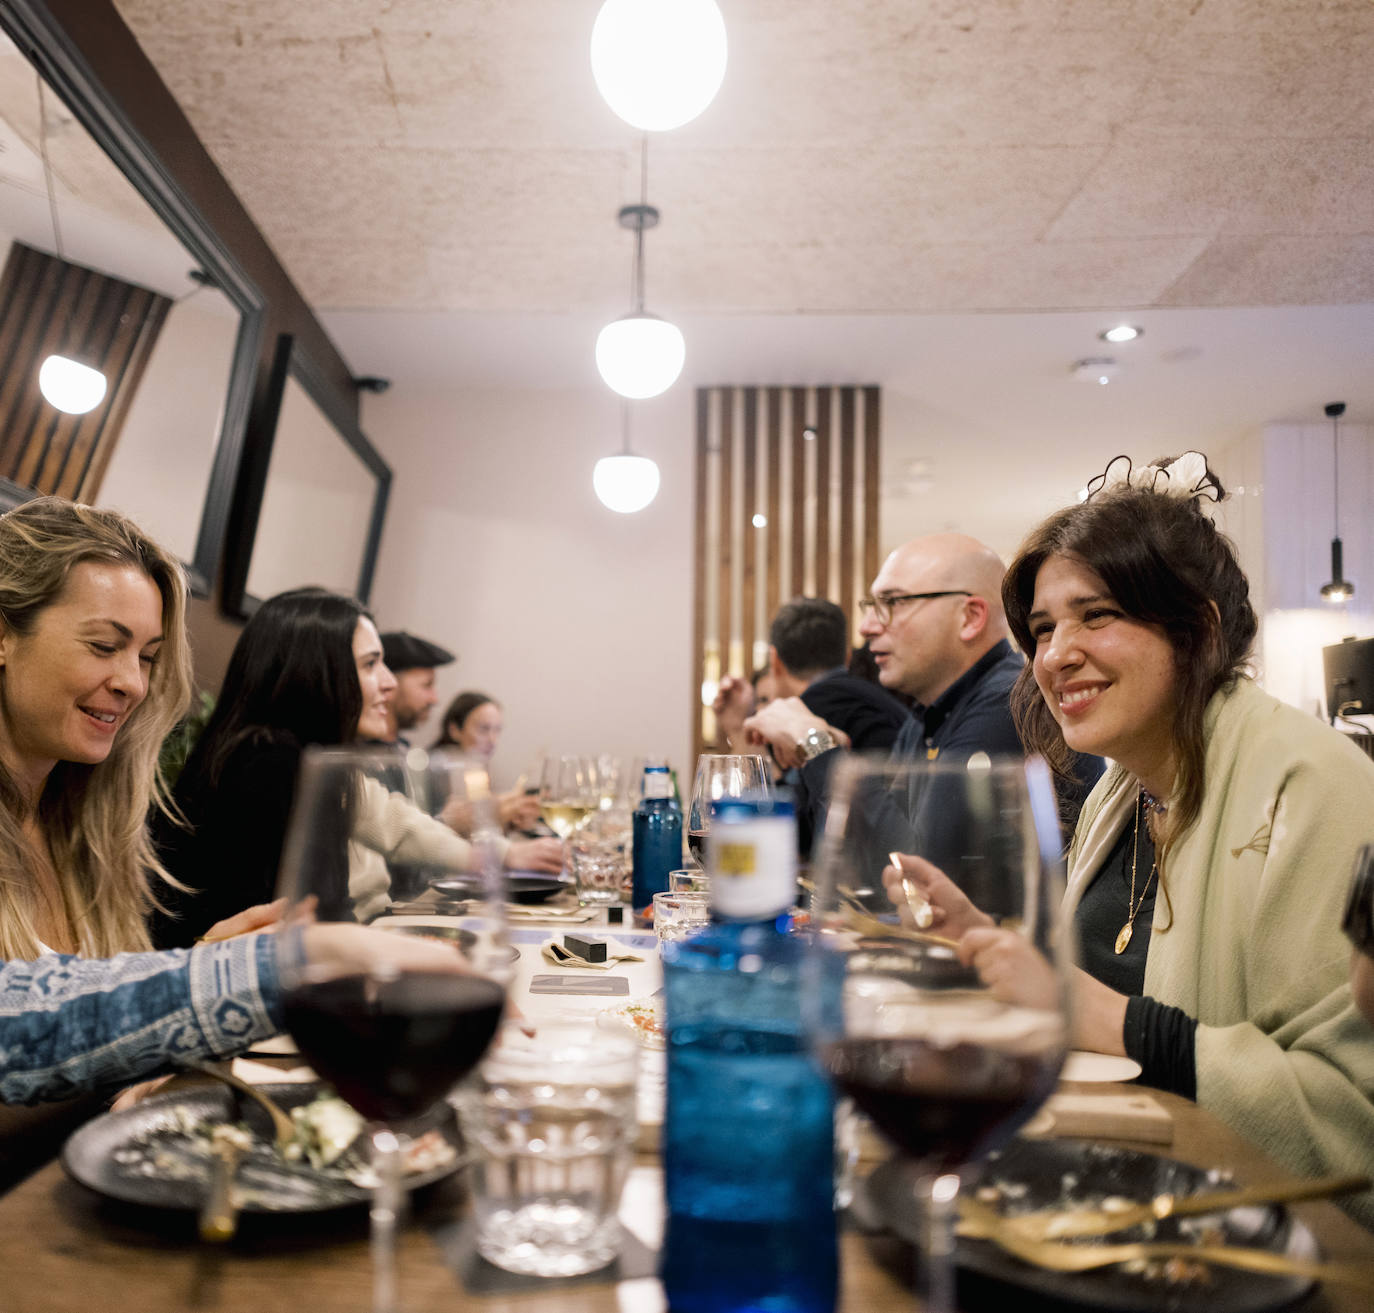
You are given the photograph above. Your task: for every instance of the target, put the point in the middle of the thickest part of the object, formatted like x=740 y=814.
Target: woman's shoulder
x=1256 y=725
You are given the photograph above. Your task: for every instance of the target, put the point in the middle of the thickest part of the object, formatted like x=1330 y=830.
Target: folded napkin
x=554 y=953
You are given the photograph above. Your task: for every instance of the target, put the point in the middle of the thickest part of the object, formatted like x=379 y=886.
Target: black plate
x=104 y=1154
x=521 y=888
x=1057 y=1173
x=453 y=934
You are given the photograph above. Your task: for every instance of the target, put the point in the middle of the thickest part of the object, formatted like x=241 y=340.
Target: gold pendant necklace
x=1123 y=936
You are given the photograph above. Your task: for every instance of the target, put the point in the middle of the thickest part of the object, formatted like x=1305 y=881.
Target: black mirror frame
x=39 y=37
x=291 y=362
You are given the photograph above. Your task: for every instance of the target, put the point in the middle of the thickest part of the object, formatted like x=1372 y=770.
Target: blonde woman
x=95 y=670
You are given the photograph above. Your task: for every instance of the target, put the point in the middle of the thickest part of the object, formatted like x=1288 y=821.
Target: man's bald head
x=930 y=641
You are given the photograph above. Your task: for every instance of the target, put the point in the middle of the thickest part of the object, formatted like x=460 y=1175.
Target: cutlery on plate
x=977 y=1221
x=921 y=910
x=1053 y=1224
x=219 y=1214
x=865 y=922
x=283 y=1128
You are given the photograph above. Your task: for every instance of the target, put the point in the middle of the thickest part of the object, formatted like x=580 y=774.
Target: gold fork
x=283 y=1128
x=859 y=918
x=1051 y=1224
x=979 y=1222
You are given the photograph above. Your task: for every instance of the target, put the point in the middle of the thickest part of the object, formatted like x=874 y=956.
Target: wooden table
x=64 y=1248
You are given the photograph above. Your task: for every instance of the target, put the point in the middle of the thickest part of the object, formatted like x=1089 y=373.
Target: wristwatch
x=814 y=742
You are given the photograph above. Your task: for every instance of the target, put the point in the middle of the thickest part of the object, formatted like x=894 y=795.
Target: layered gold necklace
x=1123 y=936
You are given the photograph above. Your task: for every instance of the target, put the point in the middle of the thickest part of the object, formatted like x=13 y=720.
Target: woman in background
x=306 y=670
x=473 y=724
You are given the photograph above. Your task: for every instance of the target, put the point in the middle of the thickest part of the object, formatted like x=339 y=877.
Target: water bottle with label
x=657 y=840
x=748 y=1142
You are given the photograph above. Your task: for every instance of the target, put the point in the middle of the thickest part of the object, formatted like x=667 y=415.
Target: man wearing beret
x=413 y=661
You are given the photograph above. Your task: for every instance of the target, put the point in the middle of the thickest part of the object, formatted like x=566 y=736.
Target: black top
x=1159 y=1037
x=231 y=854
x=867 y=712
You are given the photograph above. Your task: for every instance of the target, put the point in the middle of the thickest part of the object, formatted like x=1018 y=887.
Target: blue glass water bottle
x=657 y=846
x=748 y=1143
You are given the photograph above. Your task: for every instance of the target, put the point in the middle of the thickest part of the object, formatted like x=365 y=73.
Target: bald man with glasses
x=936 y=630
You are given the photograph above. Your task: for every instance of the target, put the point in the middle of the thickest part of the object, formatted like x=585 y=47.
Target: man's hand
x=536 y=855
x=517 y=809
x=733 y=703
x=781 y=725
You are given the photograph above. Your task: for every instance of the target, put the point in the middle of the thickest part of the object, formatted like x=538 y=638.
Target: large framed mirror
x=312 y=495
x=103 y=259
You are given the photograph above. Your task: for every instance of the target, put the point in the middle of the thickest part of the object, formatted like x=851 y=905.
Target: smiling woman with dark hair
x=307 y=669
x=1209 y=867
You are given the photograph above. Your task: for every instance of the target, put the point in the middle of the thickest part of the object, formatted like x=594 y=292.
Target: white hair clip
x=1186 y=477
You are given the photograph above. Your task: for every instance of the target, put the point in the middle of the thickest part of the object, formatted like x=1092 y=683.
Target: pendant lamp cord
x=637 y=291
x=47 y=166
x=1336 y=474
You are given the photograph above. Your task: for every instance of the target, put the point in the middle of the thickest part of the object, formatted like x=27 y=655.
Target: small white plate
x=1082 y=1066
x=641 y=1017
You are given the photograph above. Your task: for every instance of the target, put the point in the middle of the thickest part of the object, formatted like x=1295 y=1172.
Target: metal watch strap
x=814 y=742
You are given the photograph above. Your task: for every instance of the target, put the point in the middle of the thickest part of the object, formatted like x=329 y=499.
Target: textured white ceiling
x=863 y=155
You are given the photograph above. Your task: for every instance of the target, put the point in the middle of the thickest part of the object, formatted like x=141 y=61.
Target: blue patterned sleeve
x=71 y=1024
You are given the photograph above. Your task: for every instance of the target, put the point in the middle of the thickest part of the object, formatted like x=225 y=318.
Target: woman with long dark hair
x=1209 y=865
x=307 y=669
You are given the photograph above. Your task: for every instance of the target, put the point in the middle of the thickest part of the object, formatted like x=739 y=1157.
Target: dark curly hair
x=1165 y=563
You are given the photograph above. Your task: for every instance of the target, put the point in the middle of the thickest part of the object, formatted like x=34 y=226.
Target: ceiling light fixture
x=1340 y=589
x=1122 y=333
x=1095 y=369
x=625 y=482
x=658 y=63
x=68 y=383
x=640 y=355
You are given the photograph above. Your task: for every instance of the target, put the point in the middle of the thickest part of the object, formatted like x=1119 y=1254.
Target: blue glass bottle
x=657 y=841
x=748 y=1143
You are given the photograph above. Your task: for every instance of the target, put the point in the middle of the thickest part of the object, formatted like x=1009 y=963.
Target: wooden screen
x=53 y=307
x=786 y=506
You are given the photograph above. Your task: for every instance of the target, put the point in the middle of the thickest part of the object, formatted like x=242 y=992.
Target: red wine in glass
x=394 y=1047
x=941 y=1105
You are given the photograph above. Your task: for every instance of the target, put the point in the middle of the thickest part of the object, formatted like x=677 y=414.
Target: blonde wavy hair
x=92 y=817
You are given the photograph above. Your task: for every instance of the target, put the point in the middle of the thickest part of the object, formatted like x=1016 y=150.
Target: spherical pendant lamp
x=71 y=386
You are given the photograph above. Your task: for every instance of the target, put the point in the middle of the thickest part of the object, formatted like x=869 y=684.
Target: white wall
x=577 y=619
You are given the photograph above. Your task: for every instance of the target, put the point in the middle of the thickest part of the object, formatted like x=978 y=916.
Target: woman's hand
x=132 y=1094
x=265 y=916
x=952 y=915
x=517 y=810
x=536 y=855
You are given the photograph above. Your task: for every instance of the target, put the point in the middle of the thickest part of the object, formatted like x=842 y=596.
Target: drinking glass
x=722 y=775
x=567 y=793
x=393 y=1043
x=946 y=1065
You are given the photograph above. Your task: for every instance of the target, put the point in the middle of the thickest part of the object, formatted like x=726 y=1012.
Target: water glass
x=690 y=879
x=598 y=863
x=677 y=915
x=552 y=1116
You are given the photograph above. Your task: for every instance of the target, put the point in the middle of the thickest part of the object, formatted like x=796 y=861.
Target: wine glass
x=394 y=1041
x=567 y=793
x=946 y=1065
x=722 y=775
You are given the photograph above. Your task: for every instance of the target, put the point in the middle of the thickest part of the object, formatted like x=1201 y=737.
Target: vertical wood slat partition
x=54 y=307
x=806 y=458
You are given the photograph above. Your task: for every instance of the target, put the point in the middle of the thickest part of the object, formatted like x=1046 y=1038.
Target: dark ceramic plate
x=452 y=933
x=521 y=888
x=1058 y=1173
x=145 y=1156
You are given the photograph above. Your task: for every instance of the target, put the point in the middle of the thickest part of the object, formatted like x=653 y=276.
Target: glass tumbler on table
x=722 y=775
x=946 y=1065
x=391 y=1042
x=552 y=1116
x=677 y=915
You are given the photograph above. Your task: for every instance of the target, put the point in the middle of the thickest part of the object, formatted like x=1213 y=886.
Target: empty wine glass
x=945 y=1052
x=567 y=793
x=722 y=775
x=392 y=1043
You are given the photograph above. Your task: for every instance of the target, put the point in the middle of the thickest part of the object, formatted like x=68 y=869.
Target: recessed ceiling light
x=1122 y=333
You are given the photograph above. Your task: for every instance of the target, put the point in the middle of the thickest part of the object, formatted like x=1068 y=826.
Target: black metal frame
x=38 y=35
x=291 y=362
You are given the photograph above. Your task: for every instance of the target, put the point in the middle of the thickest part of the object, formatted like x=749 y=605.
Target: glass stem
x=936 y=1195
x=387 y=1202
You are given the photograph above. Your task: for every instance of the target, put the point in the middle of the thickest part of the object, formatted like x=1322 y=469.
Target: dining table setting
x=533 y=1179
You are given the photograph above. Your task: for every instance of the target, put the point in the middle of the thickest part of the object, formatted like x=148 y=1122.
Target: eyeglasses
x=884 y=606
